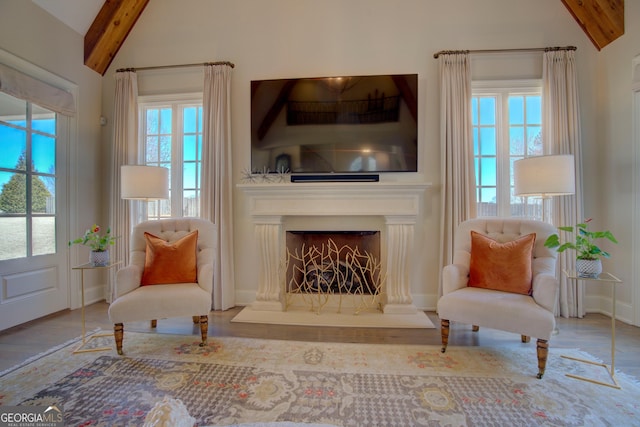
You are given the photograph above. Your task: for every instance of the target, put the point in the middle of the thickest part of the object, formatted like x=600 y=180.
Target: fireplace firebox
x=343 y=264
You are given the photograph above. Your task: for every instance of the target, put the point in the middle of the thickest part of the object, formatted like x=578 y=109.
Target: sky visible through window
x=13 y=146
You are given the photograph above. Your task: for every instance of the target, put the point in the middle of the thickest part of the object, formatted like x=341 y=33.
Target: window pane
x=488 y=171
x=165 y=148
x=189 y=147
x=13 y=198
x=189 y=175
x=41 y=197
x=487 y=111
x=516 y=110
x=190 y=117
x=476 y=150
x=165 y=121
x=534 y=109
x=476 y=166
x=512 y=160
x=534 y=140
x=488 y=142
x=44 y=235
x=152 y=150
x=14 y=237
x=44 y=121
x=516 y=141
x=152 y=121
x=487 y=202
x=474 y=111
x=191 y=203
x=13 y=144
x=43 y=151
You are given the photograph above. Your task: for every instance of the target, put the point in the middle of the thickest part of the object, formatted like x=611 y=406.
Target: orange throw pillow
x=170 y=262
x=502 y=266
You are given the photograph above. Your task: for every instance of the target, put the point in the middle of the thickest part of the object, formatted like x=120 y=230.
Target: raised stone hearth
x=395 y=205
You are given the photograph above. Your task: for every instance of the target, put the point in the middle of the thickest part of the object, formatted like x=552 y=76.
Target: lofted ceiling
x=105 y=24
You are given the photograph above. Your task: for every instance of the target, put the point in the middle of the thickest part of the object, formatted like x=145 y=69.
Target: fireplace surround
x=395 y=206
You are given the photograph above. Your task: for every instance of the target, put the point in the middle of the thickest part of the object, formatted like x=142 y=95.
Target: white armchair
x=527 y=315
x=138 y=296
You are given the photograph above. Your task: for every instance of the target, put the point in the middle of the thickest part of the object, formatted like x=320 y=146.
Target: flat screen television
x=355 y=124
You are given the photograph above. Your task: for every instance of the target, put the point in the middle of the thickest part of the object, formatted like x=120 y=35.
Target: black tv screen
x=356 y=124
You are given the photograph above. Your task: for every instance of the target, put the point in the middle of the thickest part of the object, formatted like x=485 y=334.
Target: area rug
x=345 y=319
x=239 y=380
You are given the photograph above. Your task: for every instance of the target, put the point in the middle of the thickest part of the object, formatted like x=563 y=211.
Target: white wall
x=298 y=38
x=30 y=33
x=611 y=166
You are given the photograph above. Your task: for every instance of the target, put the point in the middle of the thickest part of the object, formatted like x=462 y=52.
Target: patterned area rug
x=237 y=380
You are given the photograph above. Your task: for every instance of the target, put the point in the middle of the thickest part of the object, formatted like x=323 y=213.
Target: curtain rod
x=161 y=67
x=534 y=49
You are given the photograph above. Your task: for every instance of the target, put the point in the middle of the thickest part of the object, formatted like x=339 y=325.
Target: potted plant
x=588 y=254
x=99 y=244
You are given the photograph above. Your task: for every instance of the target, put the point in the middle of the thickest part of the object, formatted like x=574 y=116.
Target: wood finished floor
x=591 y=334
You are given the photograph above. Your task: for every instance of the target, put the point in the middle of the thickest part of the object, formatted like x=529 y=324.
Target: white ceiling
x=77 y=14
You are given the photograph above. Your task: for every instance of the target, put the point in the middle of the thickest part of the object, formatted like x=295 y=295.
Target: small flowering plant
x=93 y=239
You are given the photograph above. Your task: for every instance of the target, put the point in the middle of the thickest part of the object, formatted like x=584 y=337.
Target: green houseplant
x=98 y=243
x=588 y=254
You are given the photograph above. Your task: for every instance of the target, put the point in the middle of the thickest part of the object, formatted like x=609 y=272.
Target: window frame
x=177 y=102
x=32 y=113
x=502 y=90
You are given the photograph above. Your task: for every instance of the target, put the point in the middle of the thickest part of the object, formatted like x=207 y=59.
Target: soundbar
x=336 y=177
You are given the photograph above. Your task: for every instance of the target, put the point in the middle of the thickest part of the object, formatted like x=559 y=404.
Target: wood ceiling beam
x=601 y=20
x=109 y=30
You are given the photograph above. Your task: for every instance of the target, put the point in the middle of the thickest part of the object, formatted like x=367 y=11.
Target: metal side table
x=85 y=341
x=603 y=278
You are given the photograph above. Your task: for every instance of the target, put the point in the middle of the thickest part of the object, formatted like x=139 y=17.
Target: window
x=27 y=179
x=171 y=137
x=507 y=126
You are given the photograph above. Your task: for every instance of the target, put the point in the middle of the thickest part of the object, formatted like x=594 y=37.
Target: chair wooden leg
x=525 y=338
x=154 y=323
x=543 y=352
x=444 y=331
x=196 y=320
x=118 y=334
x=204 y=328
x=475 y=328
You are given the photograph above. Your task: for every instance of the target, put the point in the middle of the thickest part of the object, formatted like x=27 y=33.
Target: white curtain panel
x=216 y=200
x=458 y=196
x=561 y=115
x=125 y=140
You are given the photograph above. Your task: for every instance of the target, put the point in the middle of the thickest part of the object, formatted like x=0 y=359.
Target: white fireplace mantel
x=398 y=203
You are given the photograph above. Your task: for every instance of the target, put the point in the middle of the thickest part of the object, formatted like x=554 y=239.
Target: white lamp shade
x=144 y=182
x=544 y=176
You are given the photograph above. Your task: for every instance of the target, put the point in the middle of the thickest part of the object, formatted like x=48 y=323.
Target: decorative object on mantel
x=588 y=260
x=317 y=273
x=265 y=176
x=99 y=244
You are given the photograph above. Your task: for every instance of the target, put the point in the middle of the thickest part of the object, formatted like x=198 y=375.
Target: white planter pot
x=99 y=258
x=588 y=267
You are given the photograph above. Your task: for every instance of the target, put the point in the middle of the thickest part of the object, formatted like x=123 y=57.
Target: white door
x=33 y=211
